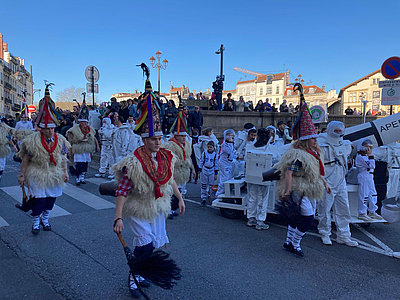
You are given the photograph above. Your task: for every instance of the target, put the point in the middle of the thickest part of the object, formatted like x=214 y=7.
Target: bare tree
x=68 y=94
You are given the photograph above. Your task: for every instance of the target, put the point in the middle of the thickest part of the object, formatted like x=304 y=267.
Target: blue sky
x=328 y=42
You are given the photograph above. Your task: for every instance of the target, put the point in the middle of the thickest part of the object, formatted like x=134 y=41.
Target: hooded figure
x=106 y=157
x=336 y=153
x=226 y=155
x=367 y=196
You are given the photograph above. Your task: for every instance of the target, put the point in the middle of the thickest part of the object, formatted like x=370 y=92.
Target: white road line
x=16 y=193
x=3 y=222
x=86 y=197
x=96 y=180
x=375 y=239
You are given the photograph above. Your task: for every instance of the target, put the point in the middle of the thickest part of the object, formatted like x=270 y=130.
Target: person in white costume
x=106 y=156
x=226 y=155
x=208 y=168
x=121 y=138
x=24 y=127
x=242 y=149
x=335 y=153
x=201 y=146
x=367 y=195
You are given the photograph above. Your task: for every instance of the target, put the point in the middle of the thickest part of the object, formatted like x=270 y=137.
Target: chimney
x=208 y=90
x=323 y=87
x=5 y=47
x=135 y=91
x=1 y=47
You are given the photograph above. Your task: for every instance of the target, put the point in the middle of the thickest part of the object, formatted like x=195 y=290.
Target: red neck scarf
x=85 y=129
x=162 y=174
x=321 y=165
x=180 y=146
x=50 y=147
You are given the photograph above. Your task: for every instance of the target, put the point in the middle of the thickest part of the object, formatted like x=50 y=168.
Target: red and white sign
x=31 y=108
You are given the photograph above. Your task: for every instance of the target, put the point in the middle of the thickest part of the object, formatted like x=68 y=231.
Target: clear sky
x=328 y=42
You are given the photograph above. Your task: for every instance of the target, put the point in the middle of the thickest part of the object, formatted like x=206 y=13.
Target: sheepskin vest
x=20 y=134
x=140 y=201
x=40 y=170
x=307 y=180
x=79 y=143
x=6 y=132
x=182 y=167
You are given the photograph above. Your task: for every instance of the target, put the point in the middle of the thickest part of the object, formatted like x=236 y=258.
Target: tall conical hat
x=179 y=127
x=24 y=111
x=47 y=116
x=148 y=123
x=83 y=111
x=303 y=128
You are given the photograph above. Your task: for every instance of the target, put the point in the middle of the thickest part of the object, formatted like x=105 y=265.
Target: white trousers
x=338 y=201
x=145 y=232
x=183 y=189
x=3 y=163
x=206 y=181
x=367 y=196
x=257 y=201
x=393 y=185
x=225 y=173
x=106 y=158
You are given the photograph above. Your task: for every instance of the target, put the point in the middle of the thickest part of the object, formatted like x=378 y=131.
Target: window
x=289 y=92
x=277 y=89
x=277 y=101
x=377 y=80
x=269 y=90
x=248 y=90
x=269 y=79
x=261 y=91
x=376 y=94
x=311 y=90
x=373 y=81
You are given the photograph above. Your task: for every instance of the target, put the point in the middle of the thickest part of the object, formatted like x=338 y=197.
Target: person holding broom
x=44 y=164
x=145 y=186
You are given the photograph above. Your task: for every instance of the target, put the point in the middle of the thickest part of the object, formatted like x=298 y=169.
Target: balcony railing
x=8 y=100
x=8 y=86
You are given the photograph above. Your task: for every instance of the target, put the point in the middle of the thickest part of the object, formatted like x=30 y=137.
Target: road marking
x=375 y=239
x=16 y=193
x=86 y=197
x=98 y=180
x=3 y=222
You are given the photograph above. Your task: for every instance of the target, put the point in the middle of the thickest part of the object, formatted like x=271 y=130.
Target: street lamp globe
x=152 y=60
x=158 y=54
x=165 y=62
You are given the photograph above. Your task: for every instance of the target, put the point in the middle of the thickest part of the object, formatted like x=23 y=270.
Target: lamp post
x=364 y=102
x=34 y=91
x=159 y=65
x=220 y=78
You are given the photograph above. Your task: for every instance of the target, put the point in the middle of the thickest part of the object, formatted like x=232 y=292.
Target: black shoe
x=170 y=216
x=35 y=231
x=145 y=283
x=174 y=213
x=83 y=181
x=203 y=203
x=133 y=288
x=298 y=252
x=287 y=246
x=45 y=227
x=78 y=183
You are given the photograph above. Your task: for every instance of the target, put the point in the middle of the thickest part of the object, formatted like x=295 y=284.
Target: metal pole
x=32 y=85
x=159 y=66
x=391 y=109
x=222 y=59
x=364 y=110
x=93 y=84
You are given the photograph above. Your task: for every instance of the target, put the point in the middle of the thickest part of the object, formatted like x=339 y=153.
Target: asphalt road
x=220 y=258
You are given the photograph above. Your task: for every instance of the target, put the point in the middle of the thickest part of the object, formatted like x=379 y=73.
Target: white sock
x=298 y=235
x=36 y=222
x=290 y=234
x=45 y=217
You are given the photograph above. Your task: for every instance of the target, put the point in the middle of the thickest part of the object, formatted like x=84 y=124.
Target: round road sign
x=31 y=108
x=92 y=74
x=317 y=114
x=391 y=68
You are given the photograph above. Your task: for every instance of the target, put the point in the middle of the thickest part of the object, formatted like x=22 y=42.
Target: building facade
x=15 y=81
x=365 y=88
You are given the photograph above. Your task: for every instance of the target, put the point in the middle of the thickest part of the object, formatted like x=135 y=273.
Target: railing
x=8 y=100
x=8 y=86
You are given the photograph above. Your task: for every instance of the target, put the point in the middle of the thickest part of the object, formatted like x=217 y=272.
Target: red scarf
x=85 y=129
x=48 y=148
x=321 y=165
x=180 y=146
x=162 y=174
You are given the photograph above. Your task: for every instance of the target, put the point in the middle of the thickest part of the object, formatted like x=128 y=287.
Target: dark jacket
x=196 y=119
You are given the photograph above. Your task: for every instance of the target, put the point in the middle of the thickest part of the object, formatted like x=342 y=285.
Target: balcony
x=16 y=107
x=7 y=70
x=8 y=100
x=8 y=86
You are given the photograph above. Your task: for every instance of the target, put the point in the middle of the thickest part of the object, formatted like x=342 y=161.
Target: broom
x=157 y=267
x=26 y=205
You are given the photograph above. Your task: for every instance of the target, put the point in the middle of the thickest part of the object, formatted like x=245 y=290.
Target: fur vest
x=79 y=143
x=20 y=134
x=6 y=133
x=40 y=170
x=140 y=202
x=182 y=167
x=307 y=180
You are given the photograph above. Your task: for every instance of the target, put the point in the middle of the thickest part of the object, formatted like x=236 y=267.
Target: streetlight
x=220 y=78
x=34 y=91
x=159 y=65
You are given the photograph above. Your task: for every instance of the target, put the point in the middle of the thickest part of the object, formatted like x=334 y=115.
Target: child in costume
x=226 y=156
x=106 y=156
x=208 y=168
x=24 y=127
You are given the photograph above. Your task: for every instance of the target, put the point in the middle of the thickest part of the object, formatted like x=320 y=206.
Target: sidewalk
x=18 y=281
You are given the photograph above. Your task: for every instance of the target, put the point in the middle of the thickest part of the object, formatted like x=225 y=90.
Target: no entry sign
x=391 y=67
x=31 y=108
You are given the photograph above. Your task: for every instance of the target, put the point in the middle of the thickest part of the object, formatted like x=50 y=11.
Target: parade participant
x=208 y=169
x=302 y=174
x=24 y=127
x=226 y=155
x=367 y=196
x=242 y=149
x=145 y=186
x=44 y=164
x=121 y=139
x=106 y=156
x=84 y=143
x=6 y=134
x=207 y=136
x=258 y=194
x=336 y=151
x=183 y=150
x=242 y=135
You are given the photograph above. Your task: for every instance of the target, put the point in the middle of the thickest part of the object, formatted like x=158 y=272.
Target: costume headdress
x=179 y=127
x=47 y=116
x=148 y=123
x=83 y=111
x=303 y=128
x=24 y=111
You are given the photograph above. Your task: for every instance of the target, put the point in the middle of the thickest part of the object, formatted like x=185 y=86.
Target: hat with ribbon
x=303 y=128
x=47 y=116
x=83 y=111
x=148 y=123
x=179 y=127
x=24 y=111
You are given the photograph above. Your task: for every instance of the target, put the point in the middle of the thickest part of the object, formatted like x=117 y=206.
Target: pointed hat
x=47 y=116
x=179 y=127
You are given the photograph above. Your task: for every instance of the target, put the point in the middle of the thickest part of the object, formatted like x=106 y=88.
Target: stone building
x=14 y=81
x=365 y=88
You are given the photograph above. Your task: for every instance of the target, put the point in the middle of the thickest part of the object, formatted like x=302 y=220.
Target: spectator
x=296 y=109
x=267 y=105
x=231 y=100
x=274 y=109
x=291 y=108
x=132 y=106
x=251 y=108
x=228 y=106
x=67 y=125
x=369 y=112
x=240 y=105
x=170 y=115
x=283 y=132
x=260 y=106
x=124 y=111
x=213 y=105
x=283 y=108
x=355 y=112
x=348 y=111
x=115 y=106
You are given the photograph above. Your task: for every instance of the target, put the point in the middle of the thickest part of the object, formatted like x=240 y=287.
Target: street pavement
x=81 y=258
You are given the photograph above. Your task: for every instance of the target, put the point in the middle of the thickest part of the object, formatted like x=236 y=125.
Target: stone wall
x=221 y=120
